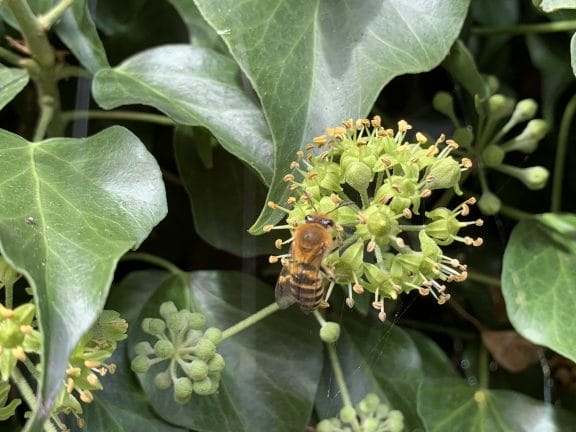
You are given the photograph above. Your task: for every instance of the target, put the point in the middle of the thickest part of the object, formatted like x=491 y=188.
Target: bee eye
x=309 y=218
x=327 y=222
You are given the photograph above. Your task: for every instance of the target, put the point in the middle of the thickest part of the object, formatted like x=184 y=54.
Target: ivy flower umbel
x=370 y=182
x=194 y=366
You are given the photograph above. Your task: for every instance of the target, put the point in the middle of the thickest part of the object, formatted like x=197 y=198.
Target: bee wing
x=283 y=293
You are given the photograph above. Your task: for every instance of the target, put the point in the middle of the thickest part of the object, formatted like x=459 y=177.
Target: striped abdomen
x=306 y=286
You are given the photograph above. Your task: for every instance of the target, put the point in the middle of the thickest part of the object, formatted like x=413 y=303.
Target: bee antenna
x=310 y=201
x=342 y=204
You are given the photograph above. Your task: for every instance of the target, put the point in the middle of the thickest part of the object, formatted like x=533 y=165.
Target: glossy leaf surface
x=193 y=86
x=12 y=81
x=539 y=281
x=71 y=208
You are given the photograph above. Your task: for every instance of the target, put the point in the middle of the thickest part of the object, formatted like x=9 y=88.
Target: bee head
x=326 y=222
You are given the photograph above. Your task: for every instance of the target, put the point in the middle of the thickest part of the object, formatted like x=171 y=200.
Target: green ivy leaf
x=70 y=209
x=200 y=33
x=452 y=404
x=78 y=31
x=382 y=358
x=225 y=196
x=539 y=281
x=12 y=81
x=554 y=5
x=272 y=369
x=193 y=86
x=313 y=66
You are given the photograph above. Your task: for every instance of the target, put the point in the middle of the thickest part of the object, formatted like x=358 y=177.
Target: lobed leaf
x=193 y=86
x=70 y=209
x=539 y=281
x=12 y=81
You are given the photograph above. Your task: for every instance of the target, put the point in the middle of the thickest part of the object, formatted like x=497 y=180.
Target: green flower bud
x=463 y=136
x=177 y=321
x=500 y=106
x=380 y=224
x=330 y=332
x=213 y=334
x=164 y=348
x=534 y=178
x=197 y=369
x=203 y=387
x=527 y=141
x=205 y=349
x=183 y=388
x=167 y=308
x=216 y=363
x=163 y=380
x=489 y=203
x=369 y=403
x=395 y=421
x=370 y=425
x=493 y=155
x=153 y=326
x=358 y=175
x=443 y=227
x=140 y=364
x=143 y=348
x=443 y=102
x=444 y=173
x=196 y=321
x=524 y=110
x=328 y=425
x=347 y=414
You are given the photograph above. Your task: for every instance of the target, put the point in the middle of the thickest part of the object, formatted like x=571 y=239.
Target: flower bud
x=205 y=349
x=153 y=326
x=203 y=387
x=213 y=334
x=196 y=321
x=196 y=370
x=527 y=141
x=444 y=173
x=177 y=321
x=443 y=102
x=358 y=175
x=10 y=334
x=140 y=364
x=328 y=425
x=524 y=110
x=370 y=425
x=463 y=136
x=162 y=380
x=493 y=155
x=369 y=403
x=216 y=363
x=489 y=203
x=183 y=388
x=143 y=348
x=347 y=414
x=395 y=421
x=164 y=348
x=167 y=308
x=534 y=178
x=330 y=332
x=500 y=106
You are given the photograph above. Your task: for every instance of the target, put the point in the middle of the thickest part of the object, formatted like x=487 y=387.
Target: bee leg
x=324 y=304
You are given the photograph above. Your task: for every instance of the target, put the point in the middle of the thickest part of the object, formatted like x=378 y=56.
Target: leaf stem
x=49 y=18
x=514 y=213
x=561 y=149
x=483 y=378
x=549 y=27
x=33 y=33
x=46 y=115
x=483 y=278
x=117 y=115
x=251 y=320
x=339 y=375
x=10 y=57
x=153 y=259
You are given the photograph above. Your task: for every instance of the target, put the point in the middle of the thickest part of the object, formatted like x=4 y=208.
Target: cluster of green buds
x=194 y=366
x=88 y=362
x=371 y=181
x=370 y=415
x=491 y=141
